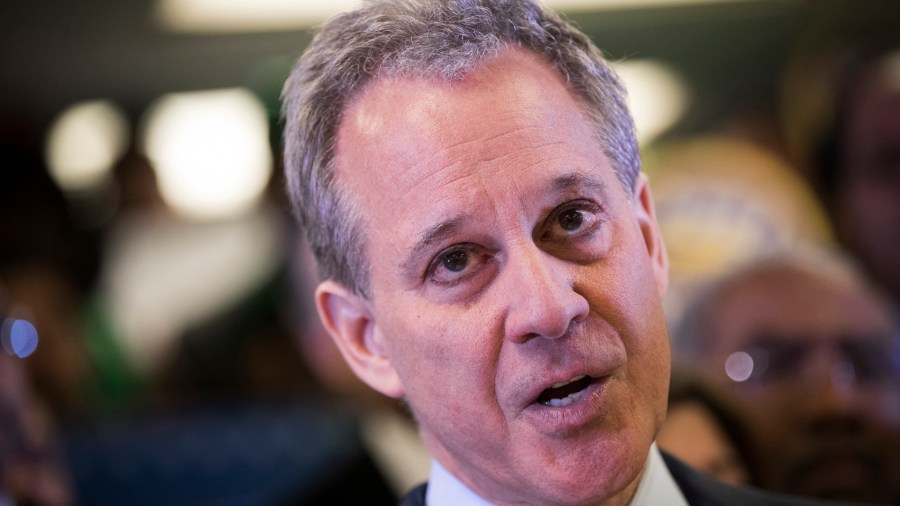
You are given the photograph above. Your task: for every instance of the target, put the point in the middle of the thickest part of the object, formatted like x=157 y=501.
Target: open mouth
x=565 y=393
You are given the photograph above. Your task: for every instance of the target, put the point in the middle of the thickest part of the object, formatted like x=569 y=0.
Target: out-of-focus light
x=224 y=16
x=84 y=143
x=163 y=275
x=657 y=96
x=739 y=366
x=210 y=151
x=18 y=337
x=890 y=70
x=607 y=5
x=243 y=16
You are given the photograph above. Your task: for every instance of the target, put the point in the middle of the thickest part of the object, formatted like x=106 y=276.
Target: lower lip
x=563 y=420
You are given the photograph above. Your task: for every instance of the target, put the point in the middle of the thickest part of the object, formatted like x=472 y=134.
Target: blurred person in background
x=31 y=468
x=806 y=349
x=704 y=432
x=722 y=201
x=228 y=411
x=49 y=378
x=46 y=267
x=859 y=170
x=841 y=118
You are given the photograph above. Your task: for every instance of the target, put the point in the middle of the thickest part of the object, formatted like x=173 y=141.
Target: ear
x=646 y=214
x=350 y=320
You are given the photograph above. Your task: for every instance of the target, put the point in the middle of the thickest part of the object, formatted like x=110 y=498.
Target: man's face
x=505 y=259
x=868 y=203
x=821 y=403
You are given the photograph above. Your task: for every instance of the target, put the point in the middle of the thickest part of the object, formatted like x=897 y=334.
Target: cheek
x=652 y=369
x=444 y=352
x=622 y=288
x=447 y=363
x=623 y=291
x=646 y=334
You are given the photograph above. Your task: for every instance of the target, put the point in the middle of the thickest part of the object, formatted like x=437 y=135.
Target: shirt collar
x=656 y=487
x=657 y=484
x=444 y=489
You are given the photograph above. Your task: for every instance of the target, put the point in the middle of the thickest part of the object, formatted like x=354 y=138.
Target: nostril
x=544 y=325
x=528 y=337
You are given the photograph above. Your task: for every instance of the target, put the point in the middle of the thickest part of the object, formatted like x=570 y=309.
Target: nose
x=830 y=382
x=541 y=298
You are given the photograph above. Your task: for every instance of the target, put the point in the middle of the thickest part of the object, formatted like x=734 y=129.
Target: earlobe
x=656 y=248
x=349 y=320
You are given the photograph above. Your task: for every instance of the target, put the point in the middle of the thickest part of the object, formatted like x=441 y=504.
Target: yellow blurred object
x=721 y=202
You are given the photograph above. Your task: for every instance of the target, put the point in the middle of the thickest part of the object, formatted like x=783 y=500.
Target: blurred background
x=159 y=345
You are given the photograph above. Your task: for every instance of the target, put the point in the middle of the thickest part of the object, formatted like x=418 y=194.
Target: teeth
x=565 y=401
x=564 y=383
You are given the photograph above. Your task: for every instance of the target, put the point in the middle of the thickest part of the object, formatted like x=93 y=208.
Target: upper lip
x=596 y=352
x=564 y=383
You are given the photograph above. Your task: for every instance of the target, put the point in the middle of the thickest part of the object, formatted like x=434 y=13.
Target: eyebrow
x=434 y=234
x=576 y=180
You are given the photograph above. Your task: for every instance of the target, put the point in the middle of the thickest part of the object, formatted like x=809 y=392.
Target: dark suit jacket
x=698 y=489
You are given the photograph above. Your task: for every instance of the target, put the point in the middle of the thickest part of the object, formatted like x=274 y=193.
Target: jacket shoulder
x=702 y=490
x=415 y=497
x=698 y=489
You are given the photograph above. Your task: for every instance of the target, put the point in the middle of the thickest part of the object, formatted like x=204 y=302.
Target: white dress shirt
x=657 y=487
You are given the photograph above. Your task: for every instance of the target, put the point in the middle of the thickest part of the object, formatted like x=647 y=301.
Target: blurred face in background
x=808 y=359
x=867 y=204
x=694 y=434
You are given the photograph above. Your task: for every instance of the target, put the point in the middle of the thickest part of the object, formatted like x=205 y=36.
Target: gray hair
x=439 y=39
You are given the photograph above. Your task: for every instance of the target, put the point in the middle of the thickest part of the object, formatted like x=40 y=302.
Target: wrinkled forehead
x=396 y=115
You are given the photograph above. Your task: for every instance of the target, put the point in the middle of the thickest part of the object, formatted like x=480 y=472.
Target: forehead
x=797 y=304
x=515 y=90
x=511 y=125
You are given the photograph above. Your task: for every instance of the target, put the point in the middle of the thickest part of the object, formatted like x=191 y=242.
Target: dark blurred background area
x=160 y=345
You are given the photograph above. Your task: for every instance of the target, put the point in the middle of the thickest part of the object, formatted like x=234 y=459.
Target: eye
x=456 y=264
x=455 y=261
x=572 y=220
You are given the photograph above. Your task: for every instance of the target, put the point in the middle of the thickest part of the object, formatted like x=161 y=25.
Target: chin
x=590 y=480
